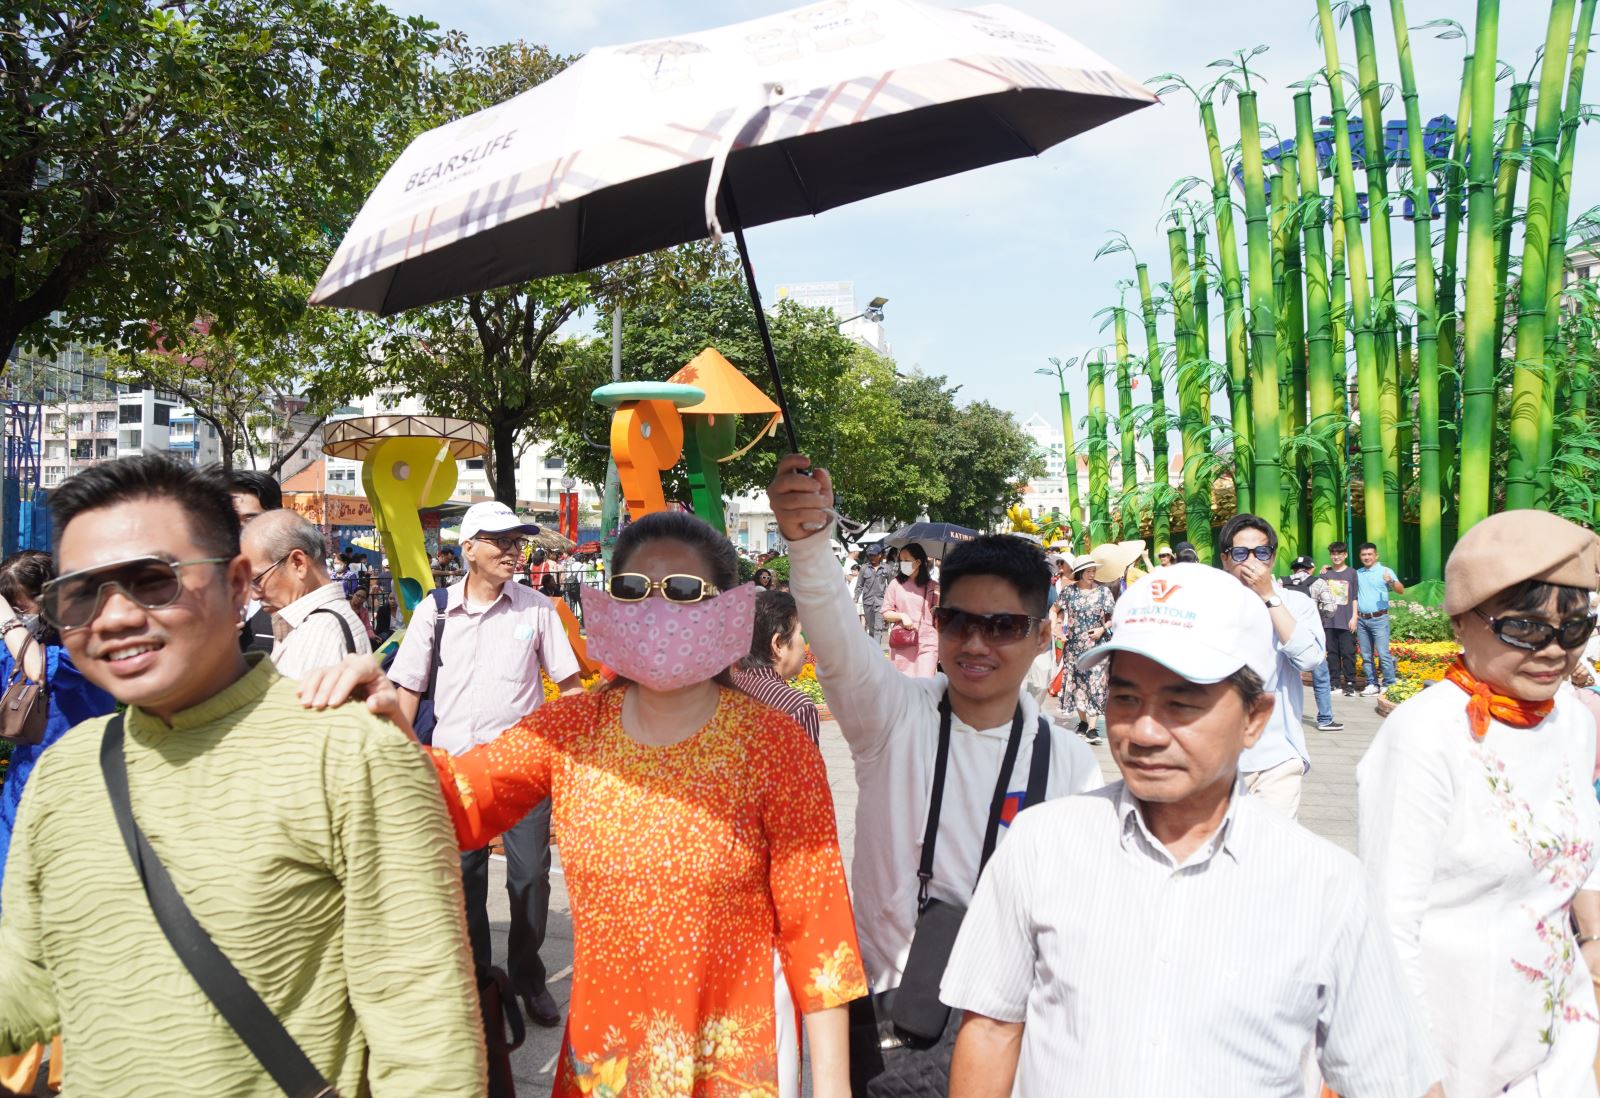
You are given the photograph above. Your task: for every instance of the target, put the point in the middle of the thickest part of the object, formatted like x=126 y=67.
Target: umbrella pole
x=761 y=317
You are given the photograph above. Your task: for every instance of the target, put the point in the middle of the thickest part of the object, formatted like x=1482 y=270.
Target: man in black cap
x=1303 y=578
x=870 y=589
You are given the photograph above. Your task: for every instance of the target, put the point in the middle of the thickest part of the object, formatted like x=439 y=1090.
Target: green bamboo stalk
x=1338 y=309
x=1196 y=487
x=1202 y=320
x=1556 y=267
x=1360 y=300
x=1099 y=486
x=1268 y=487
x=1377 y=171
x=1430 y=534
x=1233 y=312
x=1405 y=433
x=1160 y=525
x=1449 y=304
x=1291 y=359
x=1069 y=465
x=1505 y=204
x=1478 y=320
x=1528 y=387
x=1128 y=448
x=1321 y=395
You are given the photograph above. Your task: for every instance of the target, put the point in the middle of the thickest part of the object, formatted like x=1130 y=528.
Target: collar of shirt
x=456 y=597
x=1136 y=833
x=241 y=692
x=295 y=613
x=1002 y=732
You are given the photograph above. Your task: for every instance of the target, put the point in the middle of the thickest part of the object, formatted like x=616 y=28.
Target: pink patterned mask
x=667 y=645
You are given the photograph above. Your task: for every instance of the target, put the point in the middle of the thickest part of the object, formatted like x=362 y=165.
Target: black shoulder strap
x=997 y=803
x=1038 y=765
x=344 y=627
x=441 y=596
x=228 y=991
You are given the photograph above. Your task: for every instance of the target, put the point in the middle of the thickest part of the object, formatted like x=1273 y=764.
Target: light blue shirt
x=1284 y=737
x=1372 y=588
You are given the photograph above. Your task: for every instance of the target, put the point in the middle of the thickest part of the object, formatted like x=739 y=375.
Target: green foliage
x=1404 y=689
x=160 y=162
x=1411 y=621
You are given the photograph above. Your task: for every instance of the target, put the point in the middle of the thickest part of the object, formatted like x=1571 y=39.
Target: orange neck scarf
x=1483 y=703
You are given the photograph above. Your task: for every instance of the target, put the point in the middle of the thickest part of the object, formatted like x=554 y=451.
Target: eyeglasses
x=1239 y=554
x=504 y=544
x=72 y=601
x=994 y=628
x=257 y=580
x=636 y=587
x=1532 y=635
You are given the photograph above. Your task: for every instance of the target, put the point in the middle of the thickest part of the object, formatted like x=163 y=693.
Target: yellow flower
x=836 y=981
x=605 y=1079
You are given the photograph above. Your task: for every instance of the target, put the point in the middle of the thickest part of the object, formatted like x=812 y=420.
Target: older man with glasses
x=313 y=623
x=496 y=642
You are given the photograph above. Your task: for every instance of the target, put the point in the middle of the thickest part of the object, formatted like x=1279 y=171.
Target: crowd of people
x=1012 y=922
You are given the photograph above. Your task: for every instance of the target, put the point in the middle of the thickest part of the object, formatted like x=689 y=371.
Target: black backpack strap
x=441 y=596
x=1039 y=765
x=997 y=803
x=930 y=833
x=228 y=991
x=344 y=627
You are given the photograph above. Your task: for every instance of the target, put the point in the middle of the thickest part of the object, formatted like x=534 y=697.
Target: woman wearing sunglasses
x=697 y=836
x=1478 y=825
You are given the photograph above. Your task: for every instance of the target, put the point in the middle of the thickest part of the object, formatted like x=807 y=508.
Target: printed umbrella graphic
x=644 y=146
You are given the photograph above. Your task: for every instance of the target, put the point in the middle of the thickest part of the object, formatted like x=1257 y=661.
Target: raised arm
x=491 y=787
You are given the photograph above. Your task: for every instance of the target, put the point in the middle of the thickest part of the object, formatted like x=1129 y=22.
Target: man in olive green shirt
x=312 y=847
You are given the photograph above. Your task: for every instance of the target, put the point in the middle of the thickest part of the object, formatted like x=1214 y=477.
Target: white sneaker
x=1370 y=689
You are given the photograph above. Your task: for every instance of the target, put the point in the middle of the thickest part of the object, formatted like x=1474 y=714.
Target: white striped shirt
x=307 y=639
x=1135 y=976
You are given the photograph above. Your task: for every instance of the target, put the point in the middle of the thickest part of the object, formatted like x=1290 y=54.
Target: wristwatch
x=1272 y=600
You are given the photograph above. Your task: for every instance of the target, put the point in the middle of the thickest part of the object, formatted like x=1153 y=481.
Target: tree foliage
x=161 y=162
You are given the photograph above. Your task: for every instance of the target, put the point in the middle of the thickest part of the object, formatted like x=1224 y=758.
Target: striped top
x=767 y=687
x=308 y=637
x=314 y=849
x=1136 y=976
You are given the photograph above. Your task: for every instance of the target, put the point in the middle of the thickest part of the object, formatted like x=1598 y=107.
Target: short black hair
x=1184 y=552
x=1231 y=528
x=201 y=494
x=1018 y=561
x=257 y=484
x=24 y=573
x=1338 y=547
x=1364 y=546
x=776 y=614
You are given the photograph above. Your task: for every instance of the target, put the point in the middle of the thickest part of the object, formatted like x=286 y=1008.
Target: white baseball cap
x=493 y=517
x=1200 y=623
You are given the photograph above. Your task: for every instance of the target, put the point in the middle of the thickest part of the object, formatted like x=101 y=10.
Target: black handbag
x=910 y=1022
x=232 y=995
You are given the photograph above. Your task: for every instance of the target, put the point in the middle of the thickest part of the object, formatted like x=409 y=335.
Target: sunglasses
x=994 y=628
x=71 y=601
x=636 y=587
x=1532 y=635
x=505 y=544
x=1239 y=554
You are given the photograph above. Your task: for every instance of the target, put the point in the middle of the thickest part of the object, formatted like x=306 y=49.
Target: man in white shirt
x=313 y=623
x=991 y=626
x=498 y=636
x=1275 y=766
x=1168 y=934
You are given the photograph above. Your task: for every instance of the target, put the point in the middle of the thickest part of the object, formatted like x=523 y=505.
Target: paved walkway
x=1327 y=807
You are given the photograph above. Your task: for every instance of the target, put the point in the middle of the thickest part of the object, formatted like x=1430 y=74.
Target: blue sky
x=990 y=273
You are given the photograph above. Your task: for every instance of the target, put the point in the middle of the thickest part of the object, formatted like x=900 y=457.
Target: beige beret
x=1505 y=549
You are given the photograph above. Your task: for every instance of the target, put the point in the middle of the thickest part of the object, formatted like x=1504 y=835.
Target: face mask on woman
x=908 y=568
x=667 y=645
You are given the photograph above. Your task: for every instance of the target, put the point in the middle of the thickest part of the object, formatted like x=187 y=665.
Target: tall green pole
x=1290 y=295
x=1069 y=464
x=1405 y=435
x=1377 y=168
x=1505 y=203
x=1236 y=353
x=1160 y=526
x=1430 y=533
x=1367 y=379
x=1099 y=488
x=1321 y=392
x=1196 y=487
x=1202 y=320
x=1455 y=175
x=1571 y=117
x=1478 y=334
x=1127 y=447
x=1268 y=487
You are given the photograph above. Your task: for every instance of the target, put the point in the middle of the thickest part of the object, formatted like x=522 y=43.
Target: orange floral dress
x=687 y=866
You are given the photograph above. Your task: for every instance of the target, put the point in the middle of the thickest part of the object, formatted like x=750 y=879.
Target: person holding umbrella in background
x=908 y=607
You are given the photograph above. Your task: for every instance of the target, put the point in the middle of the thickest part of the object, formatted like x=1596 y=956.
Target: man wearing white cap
x=484 y=676
x=1168 y=934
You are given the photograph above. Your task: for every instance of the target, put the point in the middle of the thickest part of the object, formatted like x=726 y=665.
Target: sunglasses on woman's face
x=994 y=628
x=1532 y=635
x=1239 y=553
x=636 y=587
x=71 y=601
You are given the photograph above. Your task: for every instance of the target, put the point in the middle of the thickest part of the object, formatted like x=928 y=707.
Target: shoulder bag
x=344 y=627
x=25 y=706
x=229 y=992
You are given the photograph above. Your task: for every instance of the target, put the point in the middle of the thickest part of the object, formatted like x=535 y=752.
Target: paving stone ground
x=1327 y=807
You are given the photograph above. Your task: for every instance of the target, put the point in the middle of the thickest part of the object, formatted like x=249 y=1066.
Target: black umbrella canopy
x=936 y=538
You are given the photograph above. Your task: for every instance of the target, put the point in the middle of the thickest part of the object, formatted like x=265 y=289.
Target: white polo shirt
x=490 y=661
